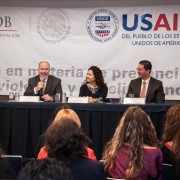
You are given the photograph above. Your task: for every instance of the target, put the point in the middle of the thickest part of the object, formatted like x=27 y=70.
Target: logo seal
x=102 y=25
x=53 y=25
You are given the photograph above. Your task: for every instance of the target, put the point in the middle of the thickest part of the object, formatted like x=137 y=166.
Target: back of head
x=135 y=129
x=47 y=168
x=64 y=106
x=64 y=140
x=172 y=128
x=68 y=113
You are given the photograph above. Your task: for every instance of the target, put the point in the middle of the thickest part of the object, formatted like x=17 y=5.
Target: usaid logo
x=102 y=25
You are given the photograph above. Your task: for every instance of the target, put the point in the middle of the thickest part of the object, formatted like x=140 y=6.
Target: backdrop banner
x=72 y=40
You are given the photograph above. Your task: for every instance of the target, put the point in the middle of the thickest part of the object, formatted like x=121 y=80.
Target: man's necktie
x=44 y=86
x=143 y=92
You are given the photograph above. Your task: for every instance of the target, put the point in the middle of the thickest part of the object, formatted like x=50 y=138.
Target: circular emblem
x=53 y=25
x=102 y=25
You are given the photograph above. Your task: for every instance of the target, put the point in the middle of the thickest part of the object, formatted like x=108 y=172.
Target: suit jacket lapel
x=37 y=79
x=139 y=86
x=151 y=82
x=48 y=84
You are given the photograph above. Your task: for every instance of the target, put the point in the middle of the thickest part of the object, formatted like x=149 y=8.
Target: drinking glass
x=57 y=97
x=121 y=98
x=11 y=96
x=131 y=95
x=17 y=96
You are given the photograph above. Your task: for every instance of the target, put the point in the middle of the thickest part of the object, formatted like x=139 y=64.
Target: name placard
x=29 y=99
x=78 y=99
x=134 y=100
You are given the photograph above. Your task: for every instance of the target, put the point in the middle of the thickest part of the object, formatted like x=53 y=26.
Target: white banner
x=72 y=40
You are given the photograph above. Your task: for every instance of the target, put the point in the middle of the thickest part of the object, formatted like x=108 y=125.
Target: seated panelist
x=146 y=86
x=44 y=84
x=94 y=87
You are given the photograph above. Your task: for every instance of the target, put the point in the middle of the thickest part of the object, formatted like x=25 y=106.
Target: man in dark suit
x=44 y=84
x=146 y=86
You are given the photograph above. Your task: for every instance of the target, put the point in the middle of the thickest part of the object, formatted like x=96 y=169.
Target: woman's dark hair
x=98 y=76
x=65 y=141
x=172 y=128
x=47 y=168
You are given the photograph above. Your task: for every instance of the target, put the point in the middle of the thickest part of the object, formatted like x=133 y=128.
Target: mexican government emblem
x=53 y=25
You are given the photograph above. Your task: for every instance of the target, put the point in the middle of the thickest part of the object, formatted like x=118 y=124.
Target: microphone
x=42 y=79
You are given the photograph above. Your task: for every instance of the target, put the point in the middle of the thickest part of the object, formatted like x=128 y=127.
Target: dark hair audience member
x=65 y=113
x=133 y=152
x=49 y=168
x=57 y=114
x=94 y=87
x=65 y=140
x=171 y=139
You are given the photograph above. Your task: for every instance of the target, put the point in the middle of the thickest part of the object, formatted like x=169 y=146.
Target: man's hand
x=46 y=97
x=92 y=100
x=39 y=86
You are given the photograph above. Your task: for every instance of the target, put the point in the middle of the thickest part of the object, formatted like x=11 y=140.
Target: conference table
x=21 y=123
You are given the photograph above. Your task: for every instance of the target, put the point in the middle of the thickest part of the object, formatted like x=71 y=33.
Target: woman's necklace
x=92 y=88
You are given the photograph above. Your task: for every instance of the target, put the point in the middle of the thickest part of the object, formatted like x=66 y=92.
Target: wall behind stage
x=73 y=39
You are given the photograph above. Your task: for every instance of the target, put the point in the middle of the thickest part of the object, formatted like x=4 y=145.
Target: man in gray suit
x=44 y=84
x=146 y=86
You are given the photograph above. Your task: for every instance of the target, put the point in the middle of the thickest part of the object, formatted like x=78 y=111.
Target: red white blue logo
x=102 y=25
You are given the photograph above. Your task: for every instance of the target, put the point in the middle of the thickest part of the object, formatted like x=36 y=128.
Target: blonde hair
x=68 y=113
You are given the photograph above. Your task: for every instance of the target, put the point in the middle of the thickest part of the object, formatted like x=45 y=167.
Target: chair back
x=168 y=172
x=108 y=178
x=15 y=160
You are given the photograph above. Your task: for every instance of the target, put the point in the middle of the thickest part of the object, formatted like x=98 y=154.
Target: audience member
x=94 y=86
x=171 y=139
x=50 y=169
x=65 y=140
x=44 y=84
x=146 y=86
x=133 y=152
x=62 y=112
x=40 y=143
